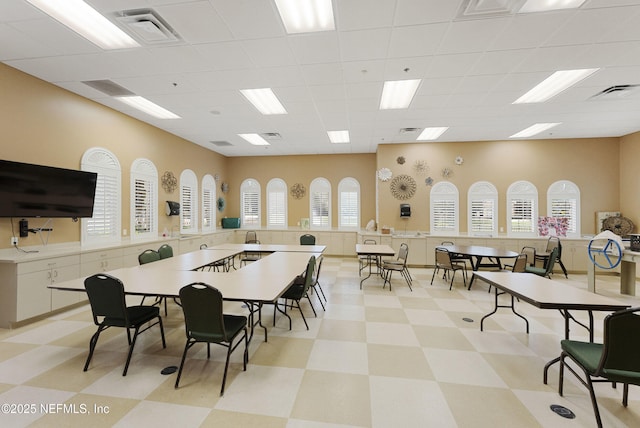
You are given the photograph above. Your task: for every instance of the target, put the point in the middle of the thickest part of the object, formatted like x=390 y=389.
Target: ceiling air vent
x=475 y=9
x=617 y=92
x=221 y=143
x=108 y=87
x=147 y=26
x=408 y=130
x=271 y=136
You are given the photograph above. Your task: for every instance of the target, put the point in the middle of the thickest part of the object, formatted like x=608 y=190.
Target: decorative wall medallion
x=220 y=204
x=400 y=160
x=621 y=226
x=384 y=174
x=447 y=172
x=428 y=181
x=169 y=182
x=224 y=187
x=216 y=177
x=298 y=191
x=421 y=167
x=403 y=187
x=459 y=160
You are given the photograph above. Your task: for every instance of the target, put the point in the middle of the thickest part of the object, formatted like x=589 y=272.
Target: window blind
x=250 y=209
x=348 y=209
x=277 y=206
x=444 y=215
x=186 y=208
x=106 y=204
x=320 y=209
x=482 y=215
x=565 y=208
x=144 y=208
x=522 y=215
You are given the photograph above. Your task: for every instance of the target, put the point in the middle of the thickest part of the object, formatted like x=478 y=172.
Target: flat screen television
x=28 y=190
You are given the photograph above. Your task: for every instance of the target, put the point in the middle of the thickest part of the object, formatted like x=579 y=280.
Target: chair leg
x=312 y=308
x=434 y=274
x=92 y=346
x=226 y=367
x=625 y=394
x=133 y=343
x=301 y=313
x=187 y=345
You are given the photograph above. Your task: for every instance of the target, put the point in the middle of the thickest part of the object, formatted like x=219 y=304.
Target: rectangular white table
x=270 y=248
x=373 y=252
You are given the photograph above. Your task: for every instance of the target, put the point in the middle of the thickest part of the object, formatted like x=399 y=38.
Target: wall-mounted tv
x=28 y=190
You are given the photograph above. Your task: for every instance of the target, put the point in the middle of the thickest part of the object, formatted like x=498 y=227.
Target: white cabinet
x=101 y=261
x=33 y=297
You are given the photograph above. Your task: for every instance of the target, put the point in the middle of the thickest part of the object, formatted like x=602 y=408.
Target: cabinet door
x=33 y=297
x=61 y=298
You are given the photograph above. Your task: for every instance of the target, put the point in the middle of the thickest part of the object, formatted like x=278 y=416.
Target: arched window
x=320 y=203
x=208 y=203
x=188 y=202
x=563 y=200
x=482 y=203
x=104 y=226
x=144 y=200
x=277 y=203
x=250 y=203
x=444 y=209
x=522 y=209
x=349 y=204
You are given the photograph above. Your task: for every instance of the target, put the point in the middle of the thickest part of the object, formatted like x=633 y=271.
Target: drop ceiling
x=471 y=70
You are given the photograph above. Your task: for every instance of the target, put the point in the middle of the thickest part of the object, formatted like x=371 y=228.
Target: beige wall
x=592 y=164
x=46 y=125
x=303 y=169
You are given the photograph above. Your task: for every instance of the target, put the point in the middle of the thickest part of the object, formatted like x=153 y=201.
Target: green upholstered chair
x=547 y=270
x=617 y=359
x=165 y=251
x=250 y=256
x=107 y=300
x=148 y=256
x=205 y=322
x=298 y=290
x=552 y=242
x=444 y=262
x=307 y=239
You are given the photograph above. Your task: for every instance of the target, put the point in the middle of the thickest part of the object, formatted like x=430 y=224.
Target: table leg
x=368 y=276
x=497 y=305
x=628 y=278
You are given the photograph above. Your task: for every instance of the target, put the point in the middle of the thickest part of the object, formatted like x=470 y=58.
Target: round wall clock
x=169 y=182
x=403 y=187
x=298 y=191
x=384 y=174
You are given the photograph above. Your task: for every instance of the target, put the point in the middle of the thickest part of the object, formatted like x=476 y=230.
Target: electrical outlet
x=14 y=240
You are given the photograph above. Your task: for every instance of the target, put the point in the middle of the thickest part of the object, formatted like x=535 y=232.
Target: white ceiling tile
x=274 y=52
x=250 y=19
x=316 y=47
x=196 y=22
x=417 y=40
x=412 y=12
x=359 y=15
x=364 y=44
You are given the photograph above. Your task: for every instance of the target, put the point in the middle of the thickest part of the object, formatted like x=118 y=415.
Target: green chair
x=548 y=269
x=107 y=300
x=148 y=256
x=165 y=251
x=307 y=239
x=298 y=290
x=205 y=322
x=315 y=283
x=250 y=256
x=617 y=359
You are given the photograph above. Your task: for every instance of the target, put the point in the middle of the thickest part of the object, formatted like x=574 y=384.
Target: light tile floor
x=374 y=358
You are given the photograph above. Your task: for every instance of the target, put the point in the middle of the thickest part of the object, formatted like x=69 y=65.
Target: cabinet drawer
x=100 y=255
x=40 y=265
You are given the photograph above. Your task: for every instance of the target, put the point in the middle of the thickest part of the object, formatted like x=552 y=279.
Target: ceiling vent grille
x=617 y=92
x=146 y=26
x=475 y=9
x=271 y=136
x=221 y=143
x=409 y=130
x=108 y=87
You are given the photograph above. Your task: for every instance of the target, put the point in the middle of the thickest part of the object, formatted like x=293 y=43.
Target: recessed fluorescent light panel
x=304 y=16
x=86 y=21
x=546 y=5
x=534 y=130
x=554 y=84
x=255 y=139
x=397 y=94
x=264 y=100
x=148 y=107
x=431 y=133
x=338 y=137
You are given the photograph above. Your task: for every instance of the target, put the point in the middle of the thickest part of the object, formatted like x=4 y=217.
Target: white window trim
x=522 y=190
x=349 y=184
x=565 y=189
x=250 y=185
x=277 y=185
x=209 y=185
x=445 y=191
x=144 y=169
x=106 y=164
x=319 y=185
x=482 y=190
x=189 y=225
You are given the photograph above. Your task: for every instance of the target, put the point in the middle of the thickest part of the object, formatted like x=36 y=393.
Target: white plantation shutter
x=188 y=202
x=208 y=203
x=320 y=203
x=349 y=204
x=522 y=209
x=144 y=204
x=276 y=203
x=444 y=208
x=482 y=205
x=522 y=218
x=104 y=225
x=563 y=200
x=250 y=203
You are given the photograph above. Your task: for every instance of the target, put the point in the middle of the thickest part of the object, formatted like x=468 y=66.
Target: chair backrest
x=403 y=253
x=447 y=243
x=551 y=261
x=203 y=246
x=520 y=264
x=106 y=297
x=251 y=237
x=443 y=258
x=530 y=253
x=552 y=242
x=308 y=275
x=165 y=251
x=203 y=316
x=148 y=256
x=307 y=239
x=370 y=242
x=621 y=345
x=316 y=276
